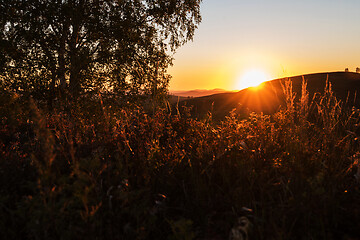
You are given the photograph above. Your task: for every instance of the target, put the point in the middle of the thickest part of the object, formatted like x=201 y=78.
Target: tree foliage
x=81 y=45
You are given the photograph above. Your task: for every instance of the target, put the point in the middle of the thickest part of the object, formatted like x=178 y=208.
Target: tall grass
x=100 y=170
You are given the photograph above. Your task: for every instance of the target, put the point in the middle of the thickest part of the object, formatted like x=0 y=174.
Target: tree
x=81 y=45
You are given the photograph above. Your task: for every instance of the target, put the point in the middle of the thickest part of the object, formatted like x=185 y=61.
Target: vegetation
x=101 y=170
x=269 y=96
x=78 y=46
x=82 y=157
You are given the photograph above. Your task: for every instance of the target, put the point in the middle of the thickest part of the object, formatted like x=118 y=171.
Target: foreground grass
x=101 y=171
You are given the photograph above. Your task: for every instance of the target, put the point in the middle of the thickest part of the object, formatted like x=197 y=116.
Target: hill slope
x=270 y=96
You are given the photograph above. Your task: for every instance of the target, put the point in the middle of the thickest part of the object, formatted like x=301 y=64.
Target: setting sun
x=251 y=78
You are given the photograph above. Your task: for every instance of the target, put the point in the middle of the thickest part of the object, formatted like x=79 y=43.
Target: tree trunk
x=75 y=64
x=75 y=61
x=52 y=93
x=62 y=63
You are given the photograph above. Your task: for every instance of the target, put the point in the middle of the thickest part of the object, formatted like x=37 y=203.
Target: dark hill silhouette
x=270 y=96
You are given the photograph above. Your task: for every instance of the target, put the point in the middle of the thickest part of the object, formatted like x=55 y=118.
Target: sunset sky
x=278 y=38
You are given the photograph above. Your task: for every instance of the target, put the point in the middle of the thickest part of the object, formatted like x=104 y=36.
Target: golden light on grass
x=252 y=78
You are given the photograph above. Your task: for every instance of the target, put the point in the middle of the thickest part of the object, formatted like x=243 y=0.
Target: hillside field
x=270 y=95
x=96 y=169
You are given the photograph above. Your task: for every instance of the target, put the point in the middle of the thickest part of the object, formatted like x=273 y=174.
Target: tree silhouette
x=80 y=45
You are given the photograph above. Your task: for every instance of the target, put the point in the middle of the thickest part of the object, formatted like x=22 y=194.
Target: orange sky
x=279 y=37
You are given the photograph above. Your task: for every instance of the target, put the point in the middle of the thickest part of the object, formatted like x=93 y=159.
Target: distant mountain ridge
x=268 y=98
x=198 y=92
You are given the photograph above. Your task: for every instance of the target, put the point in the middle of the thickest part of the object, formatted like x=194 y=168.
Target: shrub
x=103 y=170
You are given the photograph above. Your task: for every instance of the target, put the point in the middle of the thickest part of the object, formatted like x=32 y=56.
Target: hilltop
x=270 y=96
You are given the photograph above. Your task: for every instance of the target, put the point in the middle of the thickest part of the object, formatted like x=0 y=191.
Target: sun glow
x=251 y=78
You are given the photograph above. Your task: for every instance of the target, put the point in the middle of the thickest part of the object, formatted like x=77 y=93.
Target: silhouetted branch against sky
x=87 y=44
